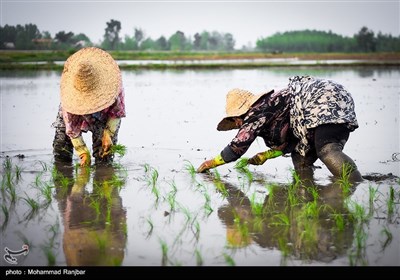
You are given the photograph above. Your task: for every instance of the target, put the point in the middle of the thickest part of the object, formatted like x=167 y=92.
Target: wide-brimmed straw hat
x=90 y=81
x=238 y=102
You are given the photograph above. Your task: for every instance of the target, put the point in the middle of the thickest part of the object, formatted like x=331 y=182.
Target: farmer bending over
x=92 y=99
x=311 y=118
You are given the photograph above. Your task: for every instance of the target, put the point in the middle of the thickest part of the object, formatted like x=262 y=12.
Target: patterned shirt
x=267 y=118
x=285 y=119
x=75 y=124
x=318 y=101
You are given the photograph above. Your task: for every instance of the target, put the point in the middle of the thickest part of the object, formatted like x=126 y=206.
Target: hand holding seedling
x=108 y=134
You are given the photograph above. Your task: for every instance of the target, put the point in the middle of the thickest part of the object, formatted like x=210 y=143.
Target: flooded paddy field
x=151 y=209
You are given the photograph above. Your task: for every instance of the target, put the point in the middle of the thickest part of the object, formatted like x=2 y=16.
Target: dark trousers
x=327 y=143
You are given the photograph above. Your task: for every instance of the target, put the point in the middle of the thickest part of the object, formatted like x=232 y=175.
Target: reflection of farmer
x=311 y=118
x=304 y=233
x=92 y=99
x=94 y=223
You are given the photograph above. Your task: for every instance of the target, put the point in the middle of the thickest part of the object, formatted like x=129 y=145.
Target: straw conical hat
x=90 y=81
x=238 y=102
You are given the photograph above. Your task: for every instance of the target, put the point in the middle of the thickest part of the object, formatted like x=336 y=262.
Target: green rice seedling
x=190 y=168
x=256 y=207
x=339 y=221
x=118 y=149
x=229 y=260
x=51 y=258
x=8 y=180
x=7 y=164
x=285 y=250
x=359 y=213
x=221 y=188
x=280 y=219
x=358 y=252
x=49 y=245
x=171 y=198
x=241 y=163
x=164 y=251
x=17 y=173
x=47 y=192
x=173 y=186
x=151 y=225
x=270 y=199
x=9 y=188
x=245 y=170
x=6 y=216
x=199 y=258
x=117 y=182
x=95 y=205
x=241 y=226
x=344 y=178
x=102 y=241
x=186 y=212
x=389 y=237
x=372 y=195
x=196 y=230
x=296 y=178
x=207 y=204
x=34 y=206
x=292 y=197
x=38 y=180
x=147 y=167
x=153 y=182
x=217 y=175
x=44 y=165
x=308 y=240
x=390 y=202
x=258 y=223
x=311 y=210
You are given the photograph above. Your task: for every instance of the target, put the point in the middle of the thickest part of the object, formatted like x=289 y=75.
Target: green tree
x=365 y=40
x=177 y=41
x=111 y=35
x=139 y=35
x=162 y=44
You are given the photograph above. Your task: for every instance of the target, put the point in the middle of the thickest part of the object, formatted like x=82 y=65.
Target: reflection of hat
x=238 y=102
x=237 y=239
x=90 y=81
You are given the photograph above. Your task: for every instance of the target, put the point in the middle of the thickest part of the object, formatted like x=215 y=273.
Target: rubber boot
x=332 y=156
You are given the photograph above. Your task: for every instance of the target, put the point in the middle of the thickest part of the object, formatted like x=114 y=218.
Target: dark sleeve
x=242 y=141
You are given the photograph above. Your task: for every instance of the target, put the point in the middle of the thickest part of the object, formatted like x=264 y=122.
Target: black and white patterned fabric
x=315 y=102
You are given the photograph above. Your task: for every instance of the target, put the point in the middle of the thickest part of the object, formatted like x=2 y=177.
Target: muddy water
x=148 y=209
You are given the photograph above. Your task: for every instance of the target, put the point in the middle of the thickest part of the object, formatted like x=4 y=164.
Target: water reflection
x=302 y=220
x=95 y=220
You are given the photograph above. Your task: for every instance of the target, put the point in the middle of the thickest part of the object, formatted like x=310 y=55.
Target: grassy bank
x=11 y=60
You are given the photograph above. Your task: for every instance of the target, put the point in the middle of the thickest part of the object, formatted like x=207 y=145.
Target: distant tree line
x=29 y=37
x=321 y=41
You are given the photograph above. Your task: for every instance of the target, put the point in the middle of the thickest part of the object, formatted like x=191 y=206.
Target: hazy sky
x=247 y=21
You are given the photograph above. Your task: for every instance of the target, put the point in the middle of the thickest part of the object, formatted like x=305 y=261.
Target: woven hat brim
x=107 y=88
x=228 y=122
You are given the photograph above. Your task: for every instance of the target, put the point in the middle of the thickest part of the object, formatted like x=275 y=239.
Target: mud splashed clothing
x=267 y=118
x=315 y=102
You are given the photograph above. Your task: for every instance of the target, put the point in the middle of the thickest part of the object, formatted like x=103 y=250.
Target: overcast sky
x=247 y=21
